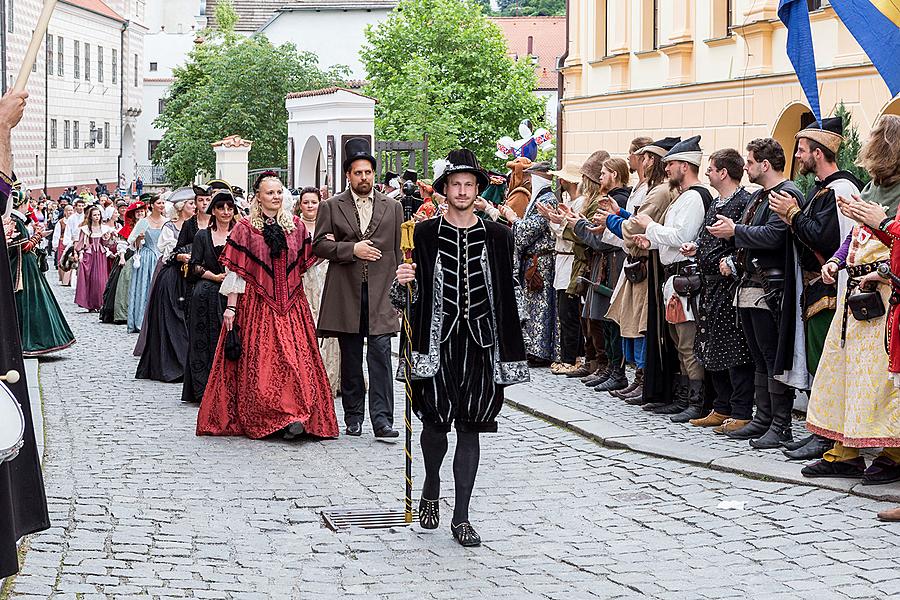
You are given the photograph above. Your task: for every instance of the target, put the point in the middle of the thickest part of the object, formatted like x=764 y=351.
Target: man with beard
x=720 y=344
x=766 y=295
x=818 y=228
x=680 y=224
x=466 y=335
x=358 y=231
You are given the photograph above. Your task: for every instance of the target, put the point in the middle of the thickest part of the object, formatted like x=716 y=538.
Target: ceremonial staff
x=406 y=246
x=37 y=37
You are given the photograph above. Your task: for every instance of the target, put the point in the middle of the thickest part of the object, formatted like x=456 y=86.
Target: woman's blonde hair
x=880 y=155
x=590 y=189
x=258 y=220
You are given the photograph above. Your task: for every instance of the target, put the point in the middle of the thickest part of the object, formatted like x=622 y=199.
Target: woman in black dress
x=207 y=304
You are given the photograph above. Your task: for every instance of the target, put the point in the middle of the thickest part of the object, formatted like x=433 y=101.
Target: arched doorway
x=311 y=169
x=891 y=108
x=128 y=165
x=792 y=119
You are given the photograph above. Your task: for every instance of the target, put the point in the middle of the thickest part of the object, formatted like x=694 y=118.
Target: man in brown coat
x=358 y=231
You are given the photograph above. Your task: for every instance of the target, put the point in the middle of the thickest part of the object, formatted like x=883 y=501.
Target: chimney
x=530 y=45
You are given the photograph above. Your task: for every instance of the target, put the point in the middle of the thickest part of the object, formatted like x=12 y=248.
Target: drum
x=12 y=425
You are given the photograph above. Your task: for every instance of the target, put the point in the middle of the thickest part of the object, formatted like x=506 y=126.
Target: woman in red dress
x=278 y=383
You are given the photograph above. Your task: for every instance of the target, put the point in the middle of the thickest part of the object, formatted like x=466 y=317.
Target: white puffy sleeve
x=232 y=284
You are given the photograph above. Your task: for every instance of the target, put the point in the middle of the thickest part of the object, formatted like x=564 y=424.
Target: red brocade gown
x=279 y=377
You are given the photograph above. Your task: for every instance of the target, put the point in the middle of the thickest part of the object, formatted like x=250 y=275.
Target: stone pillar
x=233 y=160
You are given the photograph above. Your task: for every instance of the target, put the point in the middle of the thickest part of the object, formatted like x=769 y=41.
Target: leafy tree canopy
x=231 y=85
x=531 y=8
x=440 y=68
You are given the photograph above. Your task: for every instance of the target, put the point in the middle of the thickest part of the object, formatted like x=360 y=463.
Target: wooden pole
x=406 y=246
x=34 y=46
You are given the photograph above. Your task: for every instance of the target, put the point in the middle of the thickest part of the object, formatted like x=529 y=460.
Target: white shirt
x=73 y=223
x=564 y=248
x=681 y=224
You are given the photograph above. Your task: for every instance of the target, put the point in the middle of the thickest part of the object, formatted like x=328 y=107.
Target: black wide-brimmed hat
x=410 y=175
x=199 y=190
x=357 y=149
x=389 y=177
x=219 y=197
x=462 y=161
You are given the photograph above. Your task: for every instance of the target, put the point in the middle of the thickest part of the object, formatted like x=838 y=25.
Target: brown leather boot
x=638 y=383
x=713 y=419
x=731 y=425
x=584 y=370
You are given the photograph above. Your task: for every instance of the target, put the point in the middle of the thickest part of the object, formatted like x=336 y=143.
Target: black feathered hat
x=357 y=149
x=462 y=161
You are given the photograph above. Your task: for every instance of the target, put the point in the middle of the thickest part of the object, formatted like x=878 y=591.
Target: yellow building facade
x=715 y=68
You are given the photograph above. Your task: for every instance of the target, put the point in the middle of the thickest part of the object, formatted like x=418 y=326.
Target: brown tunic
x=629 y=304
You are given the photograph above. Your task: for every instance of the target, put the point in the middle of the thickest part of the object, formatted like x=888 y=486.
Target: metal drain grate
x=348 y=519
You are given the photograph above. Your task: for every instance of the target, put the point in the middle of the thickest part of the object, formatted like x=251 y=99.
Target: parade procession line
x=142 y=508
x=732 y=456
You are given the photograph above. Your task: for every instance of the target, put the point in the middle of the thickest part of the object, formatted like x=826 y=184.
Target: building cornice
x=826 y=73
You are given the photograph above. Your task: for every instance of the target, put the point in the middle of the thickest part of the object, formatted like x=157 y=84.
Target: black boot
x=681 y=402
x=657 y=405
x=815 y=447
x=762 y=419
x=780 y=430
x=616 y=380
x=599 y=378
x=694 y=409
x=797 y=444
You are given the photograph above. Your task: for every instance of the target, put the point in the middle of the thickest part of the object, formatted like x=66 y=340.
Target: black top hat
x=220 y=197
x=357 y=149
x=410 y=175
x=462 y=161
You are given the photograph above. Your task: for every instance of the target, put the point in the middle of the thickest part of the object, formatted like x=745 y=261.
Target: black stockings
x=465 y=467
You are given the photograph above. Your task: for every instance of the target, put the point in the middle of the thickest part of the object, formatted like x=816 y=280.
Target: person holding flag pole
x=465 y=335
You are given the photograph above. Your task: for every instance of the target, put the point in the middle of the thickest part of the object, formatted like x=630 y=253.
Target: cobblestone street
x=143 y=508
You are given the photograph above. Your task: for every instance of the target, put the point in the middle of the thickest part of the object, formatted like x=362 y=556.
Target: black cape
x=23 y=503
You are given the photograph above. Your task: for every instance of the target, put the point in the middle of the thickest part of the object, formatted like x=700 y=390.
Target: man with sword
x=466 y=335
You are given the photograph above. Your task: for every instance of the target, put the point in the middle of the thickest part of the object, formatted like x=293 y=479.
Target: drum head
x=12 y=424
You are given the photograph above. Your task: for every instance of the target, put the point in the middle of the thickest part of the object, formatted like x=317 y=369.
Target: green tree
x=440 y=68
x=232 y=85
x=847 y=153
x=531 y=8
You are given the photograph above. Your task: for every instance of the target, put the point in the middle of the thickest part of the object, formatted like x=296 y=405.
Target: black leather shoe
x=882 y=471
x=815 y=447
x=354 y=429
x=465 y=534
x=797 y=444
x=387 y=432
x=429 y=513
x=849 y=469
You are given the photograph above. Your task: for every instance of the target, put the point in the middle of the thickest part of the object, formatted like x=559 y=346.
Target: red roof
x=548 y=43
x=96 y=6
x=324 y=92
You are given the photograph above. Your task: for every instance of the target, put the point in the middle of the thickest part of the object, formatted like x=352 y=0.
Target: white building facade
x=89 y=71
x=173 y=27
x=335 y=30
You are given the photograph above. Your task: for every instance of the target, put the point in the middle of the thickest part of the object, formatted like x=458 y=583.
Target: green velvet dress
x=41 y=323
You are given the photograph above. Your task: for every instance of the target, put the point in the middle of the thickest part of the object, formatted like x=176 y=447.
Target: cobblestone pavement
x=571 y=393
x=141 y=508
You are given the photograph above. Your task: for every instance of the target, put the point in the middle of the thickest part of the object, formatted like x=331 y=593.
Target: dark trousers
x=378 y=359
x=571 y=344
x=761 y=333
x=734 y=391
x=593 y=340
